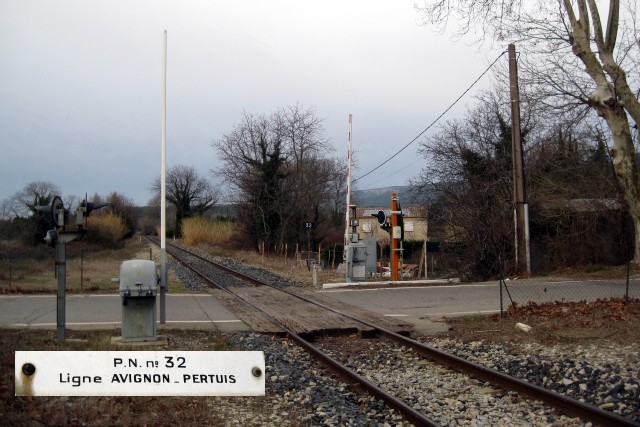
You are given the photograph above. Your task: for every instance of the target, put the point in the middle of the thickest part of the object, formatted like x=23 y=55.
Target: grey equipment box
x=138 y=288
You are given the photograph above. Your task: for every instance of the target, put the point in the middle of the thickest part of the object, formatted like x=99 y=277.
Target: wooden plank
x=248 y=315
x=389 y=323
x=300 y=316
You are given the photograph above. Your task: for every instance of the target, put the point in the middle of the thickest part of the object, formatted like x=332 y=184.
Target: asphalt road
x=423 y=306
x=462 y=299
x=194 y=311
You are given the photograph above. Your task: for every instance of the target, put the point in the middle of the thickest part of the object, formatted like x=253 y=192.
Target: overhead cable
x=433 y=122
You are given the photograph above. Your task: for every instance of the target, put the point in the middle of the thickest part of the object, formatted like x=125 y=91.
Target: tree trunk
x=605 y=102
x=625 y=167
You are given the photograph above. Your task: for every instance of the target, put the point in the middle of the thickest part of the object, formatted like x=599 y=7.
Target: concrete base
x=391 y=283
x=425 y=326
x=160 y=340
x=139 y=318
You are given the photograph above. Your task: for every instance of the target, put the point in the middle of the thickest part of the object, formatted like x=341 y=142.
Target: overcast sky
x=81 y=84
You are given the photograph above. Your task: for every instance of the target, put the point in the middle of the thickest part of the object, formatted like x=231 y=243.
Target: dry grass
x=107 y=229
x=289 y=267
x=90 y=268
x=200 y=230
x=612 y=322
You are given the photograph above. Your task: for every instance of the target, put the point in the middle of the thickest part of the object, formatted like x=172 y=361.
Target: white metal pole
x=163 y=188
x=346 y=228
x=347 y=247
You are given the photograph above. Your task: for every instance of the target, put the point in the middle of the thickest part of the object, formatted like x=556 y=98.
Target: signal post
x=66 y=228
x=393 y=226
x=396 y=235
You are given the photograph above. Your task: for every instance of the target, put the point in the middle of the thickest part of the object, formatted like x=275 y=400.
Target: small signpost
x=139 y=373
x=309 y=225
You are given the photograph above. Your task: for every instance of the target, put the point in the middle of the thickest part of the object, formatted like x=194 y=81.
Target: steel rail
x=557 y=400
x=412 y=415
x=554 y=399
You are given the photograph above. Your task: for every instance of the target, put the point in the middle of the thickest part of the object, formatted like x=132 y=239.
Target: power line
x=433 y=122
x=370 y=183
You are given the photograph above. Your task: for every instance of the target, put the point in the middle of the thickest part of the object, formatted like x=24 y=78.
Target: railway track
x=195 y=263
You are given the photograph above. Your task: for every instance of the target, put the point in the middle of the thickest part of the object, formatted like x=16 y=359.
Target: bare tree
x=337 y=190
x=190 y=193
x=24 y=204
x=578 y=59
x=566 y=166
x=469 y=170
x=276 y=163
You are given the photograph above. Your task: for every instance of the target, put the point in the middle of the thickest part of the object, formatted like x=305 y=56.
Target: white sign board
x=139 y=373
x=359 y=271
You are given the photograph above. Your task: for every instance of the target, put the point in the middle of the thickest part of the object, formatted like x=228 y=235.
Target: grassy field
x=202 y=230
x=90 y=268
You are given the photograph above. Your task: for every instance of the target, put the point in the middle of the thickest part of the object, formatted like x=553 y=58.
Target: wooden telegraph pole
x=520 y=206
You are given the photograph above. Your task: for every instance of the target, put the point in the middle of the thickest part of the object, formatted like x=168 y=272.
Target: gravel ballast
x=603 y=374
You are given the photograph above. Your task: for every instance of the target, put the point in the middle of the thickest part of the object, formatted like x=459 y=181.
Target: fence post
x=81 y=269
x=314 y=275
x=424 y=256
x=150 y=254
x=501 y=308
x=626 y=295
x=501 y=279
x=333 y=257
x=10 y=272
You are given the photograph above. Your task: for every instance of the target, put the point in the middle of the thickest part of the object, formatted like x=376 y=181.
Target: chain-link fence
x=592 y=284
x=30 y=270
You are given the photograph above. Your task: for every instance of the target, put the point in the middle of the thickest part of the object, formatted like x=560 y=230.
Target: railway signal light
x=381 y=216
x=65 y=230
x=66 y=225
x=383 y=221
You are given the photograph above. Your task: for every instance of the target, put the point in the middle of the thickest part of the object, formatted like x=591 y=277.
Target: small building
x=415 y=223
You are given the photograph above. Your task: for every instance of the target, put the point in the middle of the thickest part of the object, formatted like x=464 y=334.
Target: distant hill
x=377 y=197
x=371 y=198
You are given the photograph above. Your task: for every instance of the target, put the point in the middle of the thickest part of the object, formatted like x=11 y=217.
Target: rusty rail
x=415 y=417
x=556 y=400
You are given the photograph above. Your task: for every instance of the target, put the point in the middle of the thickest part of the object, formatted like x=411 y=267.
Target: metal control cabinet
x=138 y=288
x=361 y=259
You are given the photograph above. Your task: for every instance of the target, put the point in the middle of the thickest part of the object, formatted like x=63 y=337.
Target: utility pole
x=520 y=206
